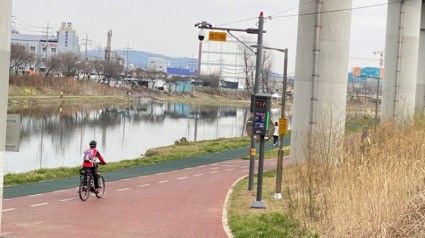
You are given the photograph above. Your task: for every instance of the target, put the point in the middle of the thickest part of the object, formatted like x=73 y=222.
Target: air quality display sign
x=261 y=114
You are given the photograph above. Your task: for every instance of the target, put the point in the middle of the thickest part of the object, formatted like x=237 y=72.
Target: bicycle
x=87 y=184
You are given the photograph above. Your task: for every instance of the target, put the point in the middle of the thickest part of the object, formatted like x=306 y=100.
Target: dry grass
x=379 y=193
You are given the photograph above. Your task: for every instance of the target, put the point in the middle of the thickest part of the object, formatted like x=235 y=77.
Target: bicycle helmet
x=92 y=144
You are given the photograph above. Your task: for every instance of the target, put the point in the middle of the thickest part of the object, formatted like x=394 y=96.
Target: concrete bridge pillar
x=5 y=19
x=420 y=84
x=401 y=60
x=320 y=79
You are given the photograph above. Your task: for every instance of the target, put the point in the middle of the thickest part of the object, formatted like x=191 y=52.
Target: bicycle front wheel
x=101 y=189
x=83 y=190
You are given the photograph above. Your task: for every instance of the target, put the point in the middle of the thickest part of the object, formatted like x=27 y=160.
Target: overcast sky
x=167 y=26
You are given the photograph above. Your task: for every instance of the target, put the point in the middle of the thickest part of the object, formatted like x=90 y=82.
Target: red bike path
x=187 y=202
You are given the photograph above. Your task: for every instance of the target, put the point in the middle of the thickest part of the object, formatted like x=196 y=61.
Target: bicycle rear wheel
x=101 y=189
x=83 y=191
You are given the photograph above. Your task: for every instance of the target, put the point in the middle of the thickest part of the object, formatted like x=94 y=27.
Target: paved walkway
x=181 y=198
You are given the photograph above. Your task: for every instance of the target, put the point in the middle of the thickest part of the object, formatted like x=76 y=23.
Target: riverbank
x=35 y=91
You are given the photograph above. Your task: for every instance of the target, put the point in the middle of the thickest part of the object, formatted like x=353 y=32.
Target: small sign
x=283 y=126
x=252 y=151
x=217 y=36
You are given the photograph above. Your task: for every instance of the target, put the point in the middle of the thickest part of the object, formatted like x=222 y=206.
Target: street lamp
x=259 y=32
x=283 y=123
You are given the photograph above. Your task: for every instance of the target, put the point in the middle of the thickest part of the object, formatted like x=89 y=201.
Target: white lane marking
x=182 y=178
x=122 y=189
x=214 y=164
x=196 y=175
x=143 y=185
x=7 y=199
x=35 y=195
x=8 y=210
x=213 y=172
x=229 y=169
x=59 y=191
x=214 y=168
x=67 y=199
x=229 y=165
x=159 y=173
x=39 y=204
x=200 y=166
x=163 y=181
x=173 y=171
x=125 y=179
x=188 y=168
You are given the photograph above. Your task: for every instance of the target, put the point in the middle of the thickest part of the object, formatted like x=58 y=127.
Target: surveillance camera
x=201 y=35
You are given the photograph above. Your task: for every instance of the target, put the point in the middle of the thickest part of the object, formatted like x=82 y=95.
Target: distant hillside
x=140 y=58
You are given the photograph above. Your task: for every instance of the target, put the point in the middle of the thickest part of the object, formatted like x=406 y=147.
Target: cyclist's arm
x=99 y=156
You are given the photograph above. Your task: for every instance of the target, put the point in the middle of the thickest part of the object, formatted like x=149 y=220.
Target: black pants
x=94 y=173
x=275 y=139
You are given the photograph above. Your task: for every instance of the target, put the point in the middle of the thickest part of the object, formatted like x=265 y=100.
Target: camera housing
x=201 y=35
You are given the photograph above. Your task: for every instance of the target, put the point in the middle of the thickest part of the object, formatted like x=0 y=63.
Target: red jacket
x=96 y=154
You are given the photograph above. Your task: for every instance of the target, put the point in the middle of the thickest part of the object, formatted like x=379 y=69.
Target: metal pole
x=199 y=59
x=258 y=203
x=6 y=14
x=256 y=86
x=279 y=170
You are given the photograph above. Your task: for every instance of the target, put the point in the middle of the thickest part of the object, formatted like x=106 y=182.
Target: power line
x=276 y=15
x=338 y=10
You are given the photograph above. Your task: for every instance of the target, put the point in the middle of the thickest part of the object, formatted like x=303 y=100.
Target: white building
x=67 y=39
x=225 y=58
x=43 y=46
x=157 y=64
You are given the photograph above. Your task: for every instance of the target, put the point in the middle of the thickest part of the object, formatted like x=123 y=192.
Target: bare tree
x=97 y=66
x=112 y=70
x=20 y=56
x=68 y=63
x=154 y=76
x=211 y=80
x=248 y=67
x=52 y=65
x=266 y=69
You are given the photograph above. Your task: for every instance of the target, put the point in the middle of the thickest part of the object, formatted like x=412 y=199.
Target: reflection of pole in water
x=123 y=134
x=41 y=142
x=196 y=128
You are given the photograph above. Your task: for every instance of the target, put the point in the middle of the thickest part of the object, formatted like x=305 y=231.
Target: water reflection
x=56 y=136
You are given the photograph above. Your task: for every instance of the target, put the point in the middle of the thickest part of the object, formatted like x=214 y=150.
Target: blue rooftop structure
x=181 y=71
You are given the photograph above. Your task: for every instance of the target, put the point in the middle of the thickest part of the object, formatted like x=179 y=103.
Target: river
x=52 y=137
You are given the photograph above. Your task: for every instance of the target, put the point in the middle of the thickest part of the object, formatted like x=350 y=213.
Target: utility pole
x=381 y=63
x=126 y=68
x=85 y=52
x=47 y=40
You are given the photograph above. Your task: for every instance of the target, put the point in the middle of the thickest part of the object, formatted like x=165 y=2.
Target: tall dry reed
x=374 y=191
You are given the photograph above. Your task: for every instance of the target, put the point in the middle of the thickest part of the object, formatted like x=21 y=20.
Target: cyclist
x=90 y=156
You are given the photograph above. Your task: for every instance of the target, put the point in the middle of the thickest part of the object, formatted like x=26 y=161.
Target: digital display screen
x=261 y=103
x=260 y=122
